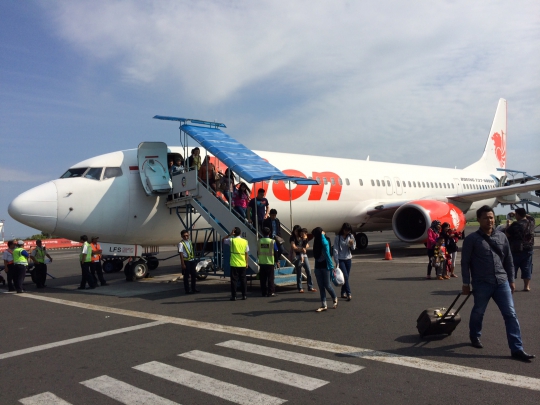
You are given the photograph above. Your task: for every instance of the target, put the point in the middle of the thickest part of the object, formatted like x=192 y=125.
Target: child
x=438 y=260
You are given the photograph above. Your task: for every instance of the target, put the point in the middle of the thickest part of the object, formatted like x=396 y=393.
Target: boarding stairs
x=219 y=215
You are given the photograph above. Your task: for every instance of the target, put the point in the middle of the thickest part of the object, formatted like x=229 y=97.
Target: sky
x=406 y=82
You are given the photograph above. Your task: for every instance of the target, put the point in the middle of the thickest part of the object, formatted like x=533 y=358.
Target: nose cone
x=37 y=207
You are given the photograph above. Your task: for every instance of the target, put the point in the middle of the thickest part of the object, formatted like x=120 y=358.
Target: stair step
x=284 y=271
x=289 y=279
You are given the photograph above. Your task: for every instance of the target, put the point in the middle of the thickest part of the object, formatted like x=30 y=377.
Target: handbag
x=279 y=240
x=337 y=277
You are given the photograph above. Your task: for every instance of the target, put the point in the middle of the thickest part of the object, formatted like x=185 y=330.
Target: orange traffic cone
x=387 y=254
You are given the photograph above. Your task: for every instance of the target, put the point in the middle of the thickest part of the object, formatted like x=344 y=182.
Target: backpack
x=452 y=246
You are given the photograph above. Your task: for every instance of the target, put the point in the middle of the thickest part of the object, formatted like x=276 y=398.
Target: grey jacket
x=482 y=264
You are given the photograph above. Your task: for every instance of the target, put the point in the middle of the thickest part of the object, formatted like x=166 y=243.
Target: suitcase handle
x=453 y=303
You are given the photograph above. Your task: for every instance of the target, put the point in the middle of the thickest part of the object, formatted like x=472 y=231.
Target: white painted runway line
x=306 y=359
x=496 y=377
x=125 y=393
x=78 y=339
x=199 y=382
x=47 y=398
x=257 y=370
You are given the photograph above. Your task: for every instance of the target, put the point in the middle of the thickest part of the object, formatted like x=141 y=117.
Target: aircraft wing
x=384 y=211
x=494 y=192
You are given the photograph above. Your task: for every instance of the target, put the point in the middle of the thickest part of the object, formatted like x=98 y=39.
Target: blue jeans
x=523 y=261
x=299 y=266
x=241 y=211
x=502 y=295
x=345 y=266
x=323 y=280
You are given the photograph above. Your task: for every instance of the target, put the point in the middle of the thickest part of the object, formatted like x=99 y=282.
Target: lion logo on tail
x=499 y=141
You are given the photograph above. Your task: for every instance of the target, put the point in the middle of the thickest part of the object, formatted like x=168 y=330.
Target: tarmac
x=148 y=342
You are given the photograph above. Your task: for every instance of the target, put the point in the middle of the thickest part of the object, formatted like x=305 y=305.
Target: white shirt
x=228 y=242
x=182 y=250
x=8 y=257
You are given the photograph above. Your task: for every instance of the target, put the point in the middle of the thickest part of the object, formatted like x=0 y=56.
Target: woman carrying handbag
x=344 y=243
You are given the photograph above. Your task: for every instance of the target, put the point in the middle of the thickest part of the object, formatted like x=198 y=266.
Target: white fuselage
x=119 y=211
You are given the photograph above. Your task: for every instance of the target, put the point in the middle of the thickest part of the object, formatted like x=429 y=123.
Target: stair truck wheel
x=152 y=262
x=139 y=269
x=118 y=264
x=108 y=266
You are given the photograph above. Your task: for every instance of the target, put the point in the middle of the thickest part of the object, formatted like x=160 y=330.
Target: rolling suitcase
x=439 y=321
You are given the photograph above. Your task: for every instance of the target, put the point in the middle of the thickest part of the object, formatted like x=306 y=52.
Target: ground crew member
x=265 y=254
x=38 y=257
x=187 y=260
x=521 y=237
x=85 y=259
x=20 y=261
x=239 y=261
x=9 y=267
x=95 y=266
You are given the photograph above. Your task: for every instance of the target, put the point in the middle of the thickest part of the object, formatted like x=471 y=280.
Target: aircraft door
x=388 y=184
x=397 y=182
x=153 y=168
x=457 y=186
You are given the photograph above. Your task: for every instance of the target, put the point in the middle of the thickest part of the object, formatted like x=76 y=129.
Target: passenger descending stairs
x=216 y=212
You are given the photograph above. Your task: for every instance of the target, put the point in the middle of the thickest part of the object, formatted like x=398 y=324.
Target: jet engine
x=411 y=221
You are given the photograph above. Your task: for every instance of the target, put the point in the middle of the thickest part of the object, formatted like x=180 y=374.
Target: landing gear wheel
x=152 y=262
x=139 y=269
x=108 y=266
x=118 y=264
x=361 y=240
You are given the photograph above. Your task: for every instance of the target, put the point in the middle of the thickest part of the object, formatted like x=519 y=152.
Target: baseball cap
x=20 y=242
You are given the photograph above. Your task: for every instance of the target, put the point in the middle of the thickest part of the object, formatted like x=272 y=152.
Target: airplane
x=108 y=195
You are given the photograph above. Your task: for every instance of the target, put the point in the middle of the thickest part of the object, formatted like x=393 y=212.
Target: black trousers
x=86 y=276
x=266 y=274
x=238 y=273
x=18 y=277
x=95 y=267
x=40 y=274
x=10 y=276
x=189 y=271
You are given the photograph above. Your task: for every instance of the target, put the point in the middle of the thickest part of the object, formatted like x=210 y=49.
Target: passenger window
x=73 y=173
x=436 y=185
x=94 y=173
x=414 y=184
x=372 y=183
x=444 y=184
x=333 y=181
x=347 y=182
x=111 y=172
x=325 y=181
x=276 y=181
x=361 y=182
x=409 y=183
x=423 y=184
x=319 y=180
x=388 y=183
x=378 y=183
x=431 y=185
x=397 y=182
x=383 y=183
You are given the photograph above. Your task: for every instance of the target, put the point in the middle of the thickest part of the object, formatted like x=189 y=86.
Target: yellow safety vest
x=266 y=251
x=88 y=252
x=190 y=253
x=238 y=252
x=18 y=258
x=40 y=254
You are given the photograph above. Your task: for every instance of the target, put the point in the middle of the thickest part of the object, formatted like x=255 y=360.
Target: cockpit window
x=94 y=173
x=78 y=172
x=111 y=172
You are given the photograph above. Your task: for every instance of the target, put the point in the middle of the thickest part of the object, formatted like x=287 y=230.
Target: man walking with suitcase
x=486 y=264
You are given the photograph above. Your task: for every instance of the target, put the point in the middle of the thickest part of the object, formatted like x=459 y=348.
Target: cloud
x=380 y=75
